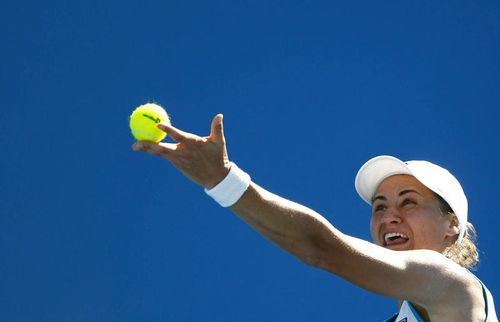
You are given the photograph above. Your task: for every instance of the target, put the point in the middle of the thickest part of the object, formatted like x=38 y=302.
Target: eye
x=379 y=207
x=406 y=202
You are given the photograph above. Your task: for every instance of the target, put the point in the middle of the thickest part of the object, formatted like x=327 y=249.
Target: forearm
x=295 y=228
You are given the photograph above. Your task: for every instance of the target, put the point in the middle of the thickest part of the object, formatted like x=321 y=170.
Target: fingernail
x=162 y=127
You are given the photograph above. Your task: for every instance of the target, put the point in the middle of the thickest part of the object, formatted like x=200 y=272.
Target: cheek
x=374 y=223
x=427 y=231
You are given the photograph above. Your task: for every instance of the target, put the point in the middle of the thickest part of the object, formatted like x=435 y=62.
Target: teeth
x=392 y=235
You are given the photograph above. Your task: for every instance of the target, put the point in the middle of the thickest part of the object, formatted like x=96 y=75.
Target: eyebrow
x=401 y=193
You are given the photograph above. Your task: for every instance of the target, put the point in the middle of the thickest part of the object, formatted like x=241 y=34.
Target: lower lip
x=397 y=245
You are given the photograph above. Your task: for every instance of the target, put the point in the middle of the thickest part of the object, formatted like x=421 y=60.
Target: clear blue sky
x=310 y=90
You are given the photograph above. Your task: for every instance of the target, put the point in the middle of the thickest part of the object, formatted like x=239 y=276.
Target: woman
x=419 y=224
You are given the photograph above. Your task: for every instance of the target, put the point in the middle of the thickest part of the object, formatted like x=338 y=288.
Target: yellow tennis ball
x=144 y=122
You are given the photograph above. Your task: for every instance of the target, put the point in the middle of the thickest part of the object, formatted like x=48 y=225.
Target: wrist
x=218 y=176
x=231 y=188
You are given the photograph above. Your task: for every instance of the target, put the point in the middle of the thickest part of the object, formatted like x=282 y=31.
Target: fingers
x=160 y=149
x=217 y=129
x=175 y=133
x=216 y=133
x=186 y=141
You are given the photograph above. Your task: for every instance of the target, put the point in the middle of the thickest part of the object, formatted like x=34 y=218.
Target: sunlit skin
x=403 y=205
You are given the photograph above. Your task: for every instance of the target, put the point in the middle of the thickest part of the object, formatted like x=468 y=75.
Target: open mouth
x=395 y=238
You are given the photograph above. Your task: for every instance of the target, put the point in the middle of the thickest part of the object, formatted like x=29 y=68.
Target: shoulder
x=460 y=293
x=449 y=275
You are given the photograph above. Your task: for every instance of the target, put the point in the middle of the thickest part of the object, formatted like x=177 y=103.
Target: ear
x=453 y=227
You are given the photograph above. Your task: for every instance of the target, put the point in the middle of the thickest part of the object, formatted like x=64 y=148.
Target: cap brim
x=374 y=171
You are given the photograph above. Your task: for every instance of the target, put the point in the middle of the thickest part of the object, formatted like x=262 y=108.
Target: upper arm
x=420 y=276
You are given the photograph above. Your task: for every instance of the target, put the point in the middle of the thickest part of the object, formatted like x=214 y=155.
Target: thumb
x=217 y=130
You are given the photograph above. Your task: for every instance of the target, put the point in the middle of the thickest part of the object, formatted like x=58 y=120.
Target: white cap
x=434 y=177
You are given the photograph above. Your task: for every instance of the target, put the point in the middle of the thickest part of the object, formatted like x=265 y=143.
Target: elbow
x=320 y=254
x=312 y=260
x=326 y=254
x=308 y=252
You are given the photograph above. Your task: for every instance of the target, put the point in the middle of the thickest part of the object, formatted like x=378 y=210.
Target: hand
x=203 y=160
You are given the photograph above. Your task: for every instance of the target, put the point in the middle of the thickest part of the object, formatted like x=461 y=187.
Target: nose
x=391 y=216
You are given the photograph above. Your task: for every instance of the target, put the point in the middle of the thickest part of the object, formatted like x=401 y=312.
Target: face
x=406 y=215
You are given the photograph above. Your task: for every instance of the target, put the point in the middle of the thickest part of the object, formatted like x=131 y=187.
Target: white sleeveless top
x=407 y=313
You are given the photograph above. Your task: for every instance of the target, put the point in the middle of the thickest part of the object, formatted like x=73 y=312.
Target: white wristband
x=230 y=190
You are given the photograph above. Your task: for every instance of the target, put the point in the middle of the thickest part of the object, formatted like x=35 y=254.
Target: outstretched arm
x=421 y=276
x=204 y=160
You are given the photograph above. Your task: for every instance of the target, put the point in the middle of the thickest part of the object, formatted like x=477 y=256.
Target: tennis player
x=423 y=244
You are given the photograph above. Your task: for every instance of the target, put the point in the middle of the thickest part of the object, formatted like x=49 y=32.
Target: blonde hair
x=464 y=253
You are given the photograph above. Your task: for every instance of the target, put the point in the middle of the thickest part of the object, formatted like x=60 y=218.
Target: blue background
x=310 y=90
